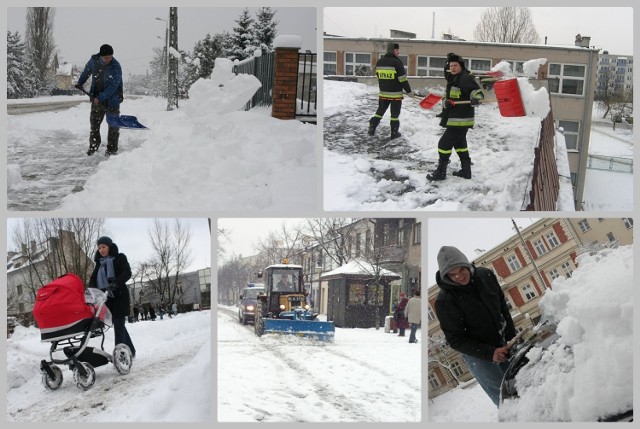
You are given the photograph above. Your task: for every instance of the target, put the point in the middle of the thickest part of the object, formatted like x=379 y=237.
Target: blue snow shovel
x=115 y=120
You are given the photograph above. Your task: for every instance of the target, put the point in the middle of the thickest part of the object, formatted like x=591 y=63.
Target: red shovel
x=507 y=95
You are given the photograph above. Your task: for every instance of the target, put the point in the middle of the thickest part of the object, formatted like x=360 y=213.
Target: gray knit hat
x=449 y=257
x=105 y=240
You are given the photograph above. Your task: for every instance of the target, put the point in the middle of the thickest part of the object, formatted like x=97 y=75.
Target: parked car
x=544 y=337
x=247 y=305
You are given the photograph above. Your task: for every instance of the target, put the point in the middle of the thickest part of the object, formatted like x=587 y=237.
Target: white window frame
x=433 y=381
x=561 y=79
x=456 y=368
x=417 y=232
x=584 y=225
x=430 y=70
x=540 y=247
x=470 y=65
x=628 y=222
x=514 y=263
x=567 y=269
x=517 y=66
x=552 y=239
x=562 y=123
x=554 y=273
x=326 y=62
x=529 y=292
x=431 y=315
x=355 y=64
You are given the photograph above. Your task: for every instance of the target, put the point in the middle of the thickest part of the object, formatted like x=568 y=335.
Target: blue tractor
x=282 y=307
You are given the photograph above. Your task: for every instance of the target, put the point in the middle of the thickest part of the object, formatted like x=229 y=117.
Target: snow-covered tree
x=20 y=80
x=205 y=52
x=242 y=38
x=265 y=28
x=40 y=45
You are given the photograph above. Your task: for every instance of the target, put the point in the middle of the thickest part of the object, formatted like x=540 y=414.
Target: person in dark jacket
x=392 y=80
x=474 y=318
x=401 y=321
x=456 y=117
x=106 y=94
x=111 y=274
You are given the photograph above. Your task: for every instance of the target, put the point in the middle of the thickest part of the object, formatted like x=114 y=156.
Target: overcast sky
x=131 y=235
x=610 y=28
x=134 y=31
x=467 y=235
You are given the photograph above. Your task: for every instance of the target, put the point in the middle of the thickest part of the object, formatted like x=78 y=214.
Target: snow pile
x=504 y=67
x=587 y=373
x=205 y=155
x=531 y=67
x=536 y=102
x=287 y=41
x=170 y=380
x=14 y=176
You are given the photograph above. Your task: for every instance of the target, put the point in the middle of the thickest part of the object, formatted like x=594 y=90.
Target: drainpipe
x=584 y=151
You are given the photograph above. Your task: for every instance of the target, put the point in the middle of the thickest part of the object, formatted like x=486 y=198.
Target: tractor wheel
x=258 y=321
x=56 y=381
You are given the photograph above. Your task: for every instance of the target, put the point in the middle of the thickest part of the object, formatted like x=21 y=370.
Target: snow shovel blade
x=316 y=329
x=509 y=98
x=430 y=101
x=124 y=121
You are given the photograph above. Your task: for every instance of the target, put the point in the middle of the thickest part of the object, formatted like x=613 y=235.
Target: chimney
x=585 y=41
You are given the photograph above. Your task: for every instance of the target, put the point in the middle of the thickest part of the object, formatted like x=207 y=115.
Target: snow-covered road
x=365 y=375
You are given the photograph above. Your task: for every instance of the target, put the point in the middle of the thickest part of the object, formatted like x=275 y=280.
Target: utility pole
x=533 y=262
x=172 y=89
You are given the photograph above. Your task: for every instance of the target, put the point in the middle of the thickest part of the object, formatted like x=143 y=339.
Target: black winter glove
x=111 y=289
x=78 y=87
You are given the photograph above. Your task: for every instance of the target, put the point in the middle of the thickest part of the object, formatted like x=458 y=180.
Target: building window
x=509 y=305
x=567 y=79
x=541 y=249
x=386 y=234
x=21 y=308
x=529 y=292
x=417 y=232
x=554 y=274
x=516 y=66
x=456 y=369
x=367 y=243
x=431 y=66
x=330 y=63
x=612 y=238
x=552 y=239
x=433 y=381
x=19 y=290
x=357 y=64
x=584 y=225
x=571 y=131
x=514 y=263
x=628 y=222
x=567 y=269
x=403 y=58
x=358 y=243
x=431 y=316
x=400 y=240
x=478 y=65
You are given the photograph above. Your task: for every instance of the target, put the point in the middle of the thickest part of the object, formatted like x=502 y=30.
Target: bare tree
x=335 y=236
x=284 y=243
x=40 y=45
x=506 y=25
x=172 y=256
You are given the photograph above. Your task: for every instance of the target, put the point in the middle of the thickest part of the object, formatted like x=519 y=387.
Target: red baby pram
x=68 y=316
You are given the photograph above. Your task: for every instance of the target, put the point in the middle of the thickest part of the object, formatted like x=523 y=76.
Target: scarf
x=106 y=272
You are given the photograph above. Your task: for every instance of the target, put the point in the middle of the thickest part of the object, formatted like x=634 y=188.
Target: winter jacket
x=392 y=78
x=399 y=314
x=413 y=313
x=460 y=87
x=120 y=302
x=474 y=318
x=106 y=81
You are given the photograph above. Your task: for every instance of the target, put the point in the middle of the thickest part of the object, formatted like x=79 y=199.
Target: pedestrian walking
x=414 y=314
x=399 y=315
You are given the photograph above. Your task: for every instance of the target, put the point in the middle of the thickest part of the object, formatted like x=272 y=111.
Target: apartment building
x=526 y=266
x=615 y=75
x=569 y=75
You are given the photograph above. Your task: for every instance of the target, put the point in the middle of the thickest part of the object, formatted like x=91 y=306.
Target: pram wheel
x=56 y=381
x=122 y=359
x=86 y=381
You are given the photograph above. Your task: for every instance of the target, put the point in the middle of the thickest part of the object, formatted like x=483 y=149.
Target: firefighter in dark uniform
x=392 y=80
x=456 y=118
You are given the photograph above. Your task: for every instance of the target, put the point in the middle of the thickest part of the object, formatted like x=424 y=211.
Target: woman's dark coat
x=119 y=304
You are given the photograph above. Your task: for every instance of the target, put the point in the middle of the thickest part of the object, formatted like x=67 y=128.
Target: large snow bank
x=588 y=373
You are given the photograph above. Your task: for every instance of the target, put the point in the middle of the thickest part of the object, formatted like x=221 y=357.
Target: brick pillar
x=285 y=82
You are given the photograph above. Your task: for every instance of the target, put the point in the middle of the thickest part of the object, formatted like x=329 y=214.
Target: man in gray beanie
x=392 y=80
x=474 y=318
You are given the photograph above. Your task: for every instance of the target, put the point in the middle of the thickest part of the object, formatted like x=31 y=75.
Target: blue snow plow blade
x=323 y=331
x=124 y=121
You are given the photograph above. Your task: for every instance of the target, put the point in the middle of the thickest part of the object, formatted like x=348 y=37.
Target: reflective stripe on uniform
x=460 y=122
x=466 y=149
x=445 y=152
x=396 y=95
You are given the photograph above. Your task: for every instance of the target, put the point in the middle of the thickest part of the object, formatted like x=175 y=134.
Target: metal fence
x=262 y=68
x=610 y=163
x=307 y=89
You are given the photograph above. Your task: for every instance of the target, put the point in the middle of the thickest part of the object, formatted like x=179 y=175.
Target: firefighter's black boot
x=395 y=126
x=439 y=173
x=465 y=171
x=373 y=124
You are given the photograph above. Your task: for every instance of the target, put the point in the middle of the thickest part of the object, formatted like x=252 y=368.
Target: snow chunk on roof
x=287 y=42
x=359 y=267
